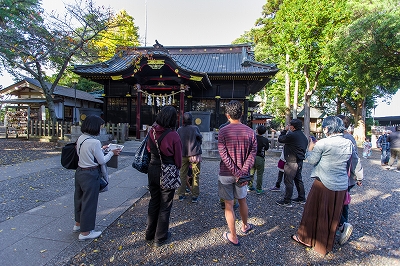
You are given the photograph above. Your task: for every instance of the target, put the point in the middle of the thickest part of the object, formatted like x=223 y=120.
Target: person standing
x=191 y=139
x=331 y=157
x=170 y=146
x=237 y=146
x=87 y=177
x=281 y=172
x=345 y=228
x=294 y=150
x=394 y=141
x=367 y=145
x=262 y=147
x=384 y=146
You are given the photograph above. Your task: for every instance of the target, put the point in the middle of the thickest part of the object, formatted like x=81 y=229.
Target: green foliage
x=121 y=32
x=72 y=80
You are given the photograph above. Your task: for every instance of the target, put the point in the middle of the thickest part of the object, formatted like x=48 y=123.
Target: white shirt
x=89 y=151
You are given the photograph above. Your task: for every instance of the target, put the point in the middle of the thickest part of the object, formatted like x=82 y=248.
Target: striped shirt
x=237 y=146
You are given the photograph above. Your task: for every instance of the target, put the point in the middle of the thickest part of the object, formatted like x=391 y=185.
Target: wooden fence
x=58 y=130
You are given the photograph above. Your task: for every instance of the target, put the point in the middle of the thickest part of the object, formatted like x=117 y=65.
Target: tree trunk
x=359 y=117
x=295 y=98
x=307 y=101
x=48 y=93
x=287 y=93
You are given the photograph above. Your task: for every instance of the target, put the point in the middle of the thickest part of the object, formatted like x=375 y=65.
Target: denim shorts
x=231 y=191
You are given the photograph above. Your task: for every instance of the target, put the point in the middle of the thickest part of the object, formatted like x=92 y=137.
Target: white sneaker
x=93 y=234
x=345 y=235
x=76 y=229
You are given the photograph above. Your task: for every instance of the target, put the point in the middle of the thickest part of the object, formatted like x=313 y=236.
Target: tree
x=301 y=30
x=366 y=58
x=48 y=42
x=121 y=32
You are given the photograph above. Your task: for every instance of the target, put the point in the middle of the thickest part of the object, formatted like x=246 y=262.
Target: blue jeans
x=385 y=156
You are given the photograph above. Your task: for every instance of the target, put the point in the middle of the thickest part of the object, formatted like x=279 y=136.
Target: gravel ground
x=197 y=228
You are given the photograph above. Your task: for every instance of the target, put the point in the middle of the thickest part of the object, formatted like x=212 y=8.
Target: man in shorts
x=237 y=146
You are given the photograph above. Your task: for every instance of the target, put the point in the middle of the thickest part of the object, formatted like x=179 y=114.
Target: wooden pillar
x=138 y=109
x=217 y=106
x=181 y=104
x=246 y=104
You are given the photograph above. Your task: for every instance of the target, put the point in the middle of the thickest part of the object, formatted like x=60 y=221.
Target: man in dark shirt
x=262 y=147
x=294 y=150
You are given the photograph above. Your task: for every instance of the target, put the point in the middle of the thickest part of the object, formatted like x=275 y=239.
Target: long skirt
x=321 y=217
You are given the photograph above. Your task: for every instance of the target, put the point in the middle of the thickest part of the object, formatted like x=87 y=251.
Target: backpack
x=69 y=156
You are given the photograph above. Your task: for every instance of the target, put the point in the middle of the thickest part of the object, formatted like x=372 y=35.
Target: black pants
x=293 y=173
x=160 y=206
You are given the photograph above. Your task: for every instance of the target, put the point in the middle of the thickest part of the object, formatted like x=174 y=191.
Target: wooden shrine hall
x=139 y=81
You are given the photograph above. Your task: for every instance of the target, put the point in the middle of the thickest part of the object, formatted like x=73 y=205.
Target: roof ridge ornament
x=158 y=45
x=158 y=49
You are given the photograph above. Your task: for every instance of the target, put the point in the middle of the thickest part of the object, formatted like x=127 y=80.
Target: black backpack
x=69 y=156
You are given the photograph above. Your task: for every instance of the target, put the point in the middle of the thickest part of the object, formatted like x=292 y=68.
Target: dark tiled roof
x=65 y=91
x=314 y=113
x=212 y=60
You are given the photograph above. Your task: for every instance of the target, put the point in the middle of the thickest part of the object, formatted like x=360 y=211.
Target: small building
x=68 y=102
x=388 y=120
x=316 y=117
x=138 y=82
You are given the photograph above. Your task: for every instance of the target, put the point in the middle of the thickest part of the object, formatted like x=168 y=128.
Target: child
x=367 y=148
x=259 y=164
x=281 y=164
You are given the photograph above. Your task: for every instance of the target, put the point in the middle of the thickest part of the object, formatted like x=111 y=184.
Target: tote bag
x=141 y=159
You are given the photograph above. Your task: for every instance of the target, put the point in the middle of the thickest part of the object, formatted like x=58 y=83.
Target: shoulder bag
x=141 y=159
x=169 y=178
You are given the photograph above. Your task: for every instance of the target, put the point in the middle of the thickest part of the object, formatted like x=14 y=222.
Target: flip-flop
x=225 y=236
x=296 y=239
x=249 y=228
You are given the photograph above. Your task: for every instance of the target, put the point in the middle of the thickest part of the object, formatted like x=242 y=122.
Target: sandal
x=225 y=236
x=296 y=239
x=249 y=228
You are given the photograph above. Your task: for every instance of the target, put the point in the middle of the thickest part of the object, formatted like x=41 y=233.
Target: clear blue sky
x=191 y=22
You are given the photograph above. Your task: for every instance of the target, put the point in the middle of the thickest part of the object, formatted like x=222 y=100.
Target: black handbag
x=242 y=180
x=69 y=155
x=141 y=159
x=170 y=174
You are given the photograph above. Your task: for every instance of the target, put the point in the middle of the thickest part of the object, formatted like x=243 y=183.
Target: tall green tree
x=366 y=58
x=48 y=43
x=121 y=32
x=301 y=31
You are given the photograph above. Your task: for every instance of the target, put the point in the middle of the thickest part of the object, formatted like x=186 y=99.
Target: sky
x=190 y=22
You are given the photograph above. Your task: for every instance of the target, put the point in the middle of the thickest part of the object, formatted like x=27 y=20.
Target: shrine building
x=139 y=81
